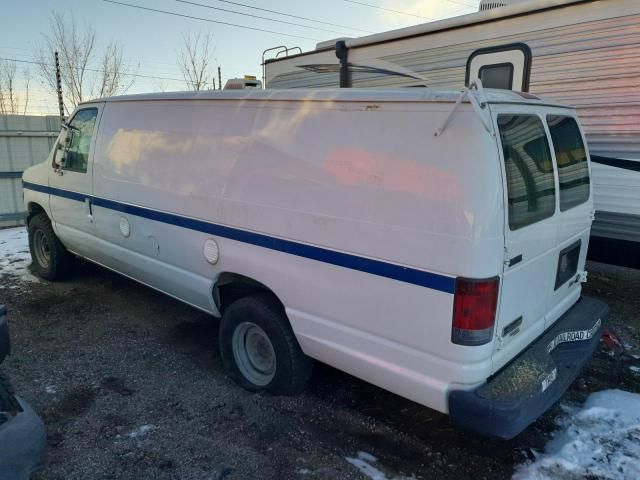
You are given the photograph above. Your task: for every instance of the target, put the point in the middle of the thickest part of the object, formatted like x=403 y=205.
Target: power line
x=258 y=16
x=463 y=3
x=388 y=10
x=294 y=16
x=94 y=70
x=209 y=20
x=129 y=64
x=457 y=2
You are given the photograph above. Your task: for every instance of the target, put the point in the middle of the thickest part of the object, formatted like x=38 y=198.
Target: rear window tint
x=529 y=169
x=571 y=157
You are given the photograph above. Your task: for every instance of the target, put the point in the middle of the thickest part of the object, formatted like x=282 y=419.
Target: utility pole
x=59 y=89
x=219 y=79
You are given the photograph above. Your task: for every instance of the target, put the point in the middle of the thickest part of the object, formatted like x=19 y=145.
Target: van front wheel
x=51 y=260
x=258 y=348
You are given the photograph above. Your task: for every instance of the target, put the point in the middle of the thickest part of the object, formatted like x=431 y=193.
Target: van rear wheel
x=259 y=349
x=51 y=260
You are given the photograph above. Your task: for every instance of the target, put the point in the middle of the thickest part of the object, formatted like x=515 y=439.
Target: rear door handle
x=515 y=260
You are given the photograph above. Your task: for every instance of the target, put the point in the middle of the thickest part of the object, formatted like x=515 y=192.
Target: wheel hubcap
x=254 y=353
x=41 y=249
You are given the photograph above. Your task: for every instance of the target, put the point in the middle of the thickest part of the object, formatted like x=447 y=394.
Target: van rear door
x=530 y=229
x=574 y=215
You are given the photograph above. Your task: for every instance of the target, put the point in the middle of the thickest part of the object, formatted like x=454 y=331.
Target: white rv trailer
x=336 y=224
x=584 y=53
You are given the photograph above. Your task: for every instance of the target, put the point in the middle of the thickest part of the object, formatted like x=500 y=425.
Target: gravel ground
x=130 y=385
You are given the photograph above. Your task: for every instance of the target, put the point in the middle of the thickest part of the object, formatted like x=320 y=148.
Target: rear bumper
x=529 y=385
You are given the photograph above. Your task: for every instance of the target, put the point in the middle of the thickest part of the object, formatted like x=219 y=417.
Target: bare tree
x=81 y=79
x=113 y=71
x=14 y=92
x=194 y=61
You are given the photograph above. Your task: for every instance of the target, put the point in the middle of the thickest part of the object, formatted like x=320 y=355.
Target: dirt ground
x=130 y=385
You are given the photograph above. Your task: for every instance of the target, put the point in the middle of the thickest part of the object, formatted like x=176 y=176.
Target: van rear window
x=571 y=157
x=529 y=169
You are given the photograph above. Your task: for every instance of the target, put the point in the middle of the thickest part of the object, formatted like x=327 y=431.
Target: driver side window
x=80 y=130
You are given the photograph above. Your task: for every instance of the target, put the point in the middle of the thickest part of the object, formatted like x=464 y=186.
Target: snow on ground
x=141 y=431
x=363 y=462
x=51 y=389
x=14 y=255
x=600 y=440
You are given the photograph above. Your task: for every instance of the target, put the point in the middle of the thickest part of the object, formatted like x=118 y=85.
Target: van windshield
x=529 y=169
x=571 y=157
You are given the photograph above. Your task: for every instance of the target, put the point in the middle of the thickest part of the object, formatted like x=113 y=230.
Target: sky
x=151 y=40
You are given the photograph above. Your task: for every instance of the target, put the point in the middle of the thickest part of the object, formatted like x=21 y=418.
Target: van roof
x=427 y=95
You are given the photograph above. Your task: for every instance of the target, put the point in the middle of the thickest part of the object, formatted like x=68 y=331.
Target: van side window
x=81 y=131
x=529 y=169
x=571 y=157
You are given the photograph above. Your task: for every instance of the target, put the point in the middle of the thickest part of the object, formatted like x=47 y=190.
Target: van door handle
x=515 y=260
x=89 y=207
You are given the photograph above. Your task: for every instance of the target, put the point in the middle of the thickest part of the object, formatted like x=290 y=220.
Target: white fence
x=24 y=141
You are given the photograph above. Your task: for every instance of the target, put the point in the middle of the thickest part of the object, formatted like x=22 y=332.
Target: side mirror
x=62 y=146
x=59 y=157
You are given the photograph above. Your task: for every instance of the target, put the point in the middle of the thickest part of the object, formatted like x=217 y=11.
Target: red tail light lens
x=474 y=311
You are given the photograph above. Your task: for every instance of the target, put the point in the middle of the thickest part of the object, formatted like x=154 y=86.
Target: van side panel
x=368 y=181
x=584 y=54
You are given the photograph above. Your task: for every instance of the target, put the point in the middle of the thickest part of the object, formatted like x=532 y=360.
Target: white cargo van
x=431 y=243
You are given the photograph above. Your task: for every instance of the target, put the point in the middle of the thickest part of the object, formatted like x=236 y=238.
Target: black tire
x=60 y=261
x=292 y=367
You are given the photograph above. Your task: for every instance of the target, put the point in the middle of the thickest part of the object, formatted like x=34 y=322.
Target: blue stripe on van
x=430 y=280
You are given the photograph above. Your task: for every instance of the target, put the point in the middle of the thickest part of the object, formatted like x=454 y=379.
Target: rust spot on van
x=372 y=108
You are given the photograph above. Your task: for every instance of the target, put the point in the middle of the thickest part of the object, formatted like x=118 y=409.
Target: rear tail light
x=474 y=311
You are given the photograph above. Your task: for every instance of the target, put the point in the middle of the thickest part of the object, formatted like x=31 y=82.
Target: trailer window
x=499 y=75
x=501 y=66
x=571 y=157
x=529 y=169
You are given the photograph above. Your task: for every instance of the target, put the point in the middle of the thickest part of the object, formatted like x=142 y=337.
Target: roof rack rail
x=280 y=49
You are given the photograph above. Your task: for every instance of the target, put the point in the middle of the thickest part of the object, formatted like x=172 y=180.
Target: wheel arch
x=33 y=209
x=231 y=286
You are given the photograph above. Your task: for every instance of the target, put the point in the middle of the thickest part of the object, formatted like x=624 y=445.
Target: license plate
x=567 y=264
x=549 y=379
x=574 y=336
